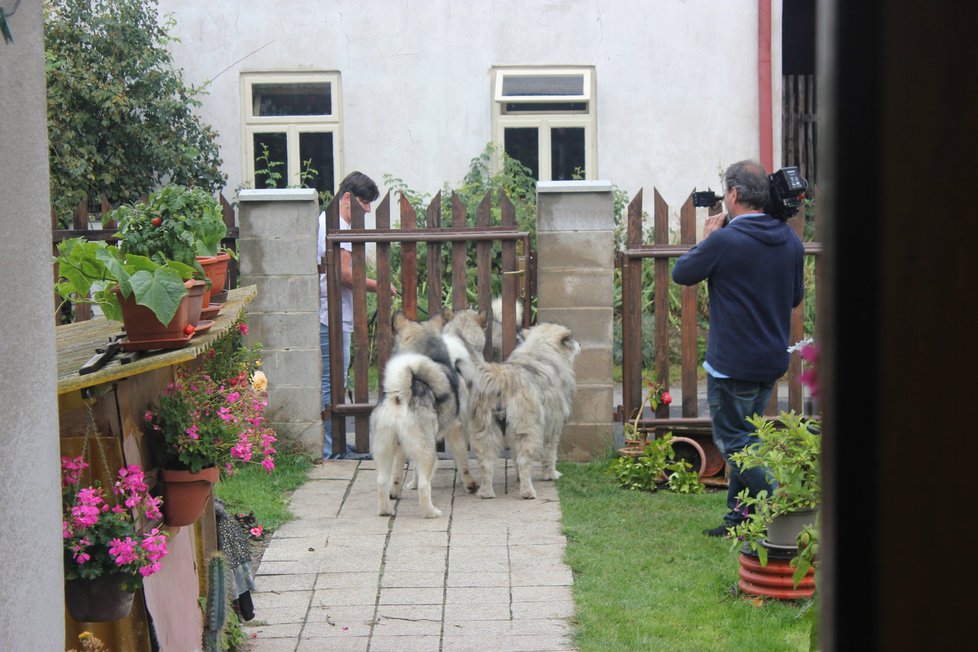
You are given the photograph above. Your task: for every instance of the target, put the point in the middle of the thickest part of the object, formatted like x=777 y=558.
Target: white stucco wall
x=31 y=571
x=676 y=81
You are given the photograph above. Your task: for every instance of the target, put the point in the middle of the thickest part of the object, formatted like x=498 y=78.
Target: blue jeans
x=326 y=384
x=731 y=401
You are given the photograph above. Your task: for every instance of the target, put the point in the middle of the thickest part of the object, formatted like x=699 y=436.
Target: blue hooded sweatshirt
x=754 y=268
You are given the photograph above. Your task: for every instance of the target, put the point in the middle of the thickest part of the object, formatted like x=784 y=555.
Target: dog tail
x=497 y=310
x=410 y=375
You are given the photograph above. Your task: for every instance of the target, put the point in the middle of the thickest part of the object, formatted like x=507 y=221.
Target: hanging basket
x=98 y=600
x=185 y=494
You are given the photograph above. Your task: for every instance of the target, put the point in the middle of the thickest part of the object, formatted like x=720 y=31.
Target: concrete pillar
x=575 y=287
x=31 y=572
x=277 y=251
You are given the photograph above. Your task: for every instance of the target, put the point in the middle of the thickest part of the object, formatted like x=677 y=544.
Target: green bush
x=120 y=118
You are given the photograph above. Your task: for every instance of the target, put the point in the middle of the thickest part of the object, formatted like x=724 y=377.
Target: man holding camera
x=753 y=265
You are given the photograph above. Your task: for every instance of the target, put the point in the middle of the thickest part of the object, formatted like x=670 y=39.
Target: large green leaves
x=87 y=272
x=160 y=290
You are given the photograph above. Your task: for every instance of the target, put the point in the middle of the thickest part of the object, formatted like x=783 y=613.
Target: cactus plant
x=218 y=601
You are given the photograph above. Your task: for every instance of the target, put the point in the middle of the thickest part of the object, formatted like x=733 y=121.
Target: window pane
x=292 y=99
x=316 y=154
x=524 y=145
x=567 y=153
x=545 y=107
x=516 y=85
x=271 y=154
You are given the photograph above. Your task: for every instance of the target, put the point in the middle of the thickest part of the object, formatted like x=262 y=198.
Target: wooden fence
x=800 y=125
x=80 y=227
x=516 y=270
x=630 y=260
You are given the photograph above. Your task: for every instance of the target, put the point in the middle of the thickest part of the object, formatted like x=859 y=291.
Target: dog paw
x=552 y=475
x=434 y=513
x=486 y=492
x=528 y=494
x=472 y=487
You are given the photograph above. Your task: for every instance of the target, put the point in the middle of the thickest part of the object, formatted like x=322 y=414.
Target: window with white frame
x=544 y=117
x=292 y=129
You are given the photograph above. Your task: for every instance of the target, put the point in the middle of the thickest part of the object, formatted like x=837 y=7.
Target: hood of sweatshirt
x=763 y=228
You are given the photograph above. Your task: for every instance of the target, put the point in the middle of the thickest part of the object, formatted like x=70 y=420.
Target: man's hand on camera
x=714 y=222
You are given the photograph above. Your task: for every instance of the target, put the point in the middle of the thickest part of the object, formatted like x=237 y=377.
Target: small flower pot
x=784 y=529
x=185 y=494
x=195 y=300
x=97 y=601
x=216 y=268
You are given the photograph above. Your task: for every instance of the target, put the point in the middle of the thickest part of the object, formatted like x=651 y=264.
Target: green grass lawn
x=646 y=578
x=251 y=489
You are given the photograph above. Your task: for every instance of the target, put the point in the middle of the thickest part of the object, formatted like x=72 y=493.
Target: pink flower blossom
x=243 y=327
x=153 y=508
x=242 y=451
x=123 y=551
x=268 y=464
x=257 y=531
x=233 y=397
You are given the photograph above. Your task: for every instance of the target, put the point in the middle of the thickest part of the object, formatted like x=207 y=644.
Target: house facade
x=642 y=93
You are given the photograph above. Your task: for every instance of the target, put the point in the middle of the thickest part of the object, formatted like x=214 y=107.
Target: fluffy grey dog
x=425 y=339
x=523 y=403
x=417 y=397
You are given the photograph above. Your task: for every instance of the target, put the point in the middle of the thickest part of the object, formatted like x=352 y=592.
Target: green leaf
x=161 y=291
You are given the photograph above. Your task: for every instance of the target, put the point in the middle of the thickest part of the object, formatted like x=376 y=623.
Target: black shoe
x=719 y=531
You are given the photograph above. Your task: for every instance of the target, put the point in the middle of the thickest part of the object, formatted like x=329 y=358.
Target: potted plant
x=636 y=438
x=179 y=223
x=106 y=556
x=789 y=449
x=207 y=424
x=127 y=287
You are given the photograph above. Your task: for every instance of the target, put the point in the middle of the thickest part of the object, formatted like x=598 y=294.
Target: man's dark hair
x=360 y=185
x=752 y=183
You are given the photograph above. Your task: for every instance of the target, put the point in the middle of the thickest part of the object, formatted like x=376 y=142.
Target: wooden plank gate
x=515 y=268
x=631 y=259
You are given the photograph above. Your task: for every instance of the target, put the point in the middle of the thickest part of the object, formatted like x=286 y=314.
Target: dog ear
x=483 y=318
x=399 y=320
x=437 y=321
x=448 y=314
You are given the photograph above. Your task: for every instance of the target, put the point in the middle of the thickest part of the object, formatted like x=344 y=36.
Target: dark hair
x=751 y=181
x=360 y=185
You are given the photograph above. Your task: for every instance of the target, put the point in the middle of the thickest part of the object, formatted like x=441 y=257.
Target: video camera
x=787 y=191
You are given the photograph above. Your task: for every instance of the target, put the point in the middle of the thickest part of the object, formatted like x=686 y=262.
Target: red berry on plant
x=156 y=221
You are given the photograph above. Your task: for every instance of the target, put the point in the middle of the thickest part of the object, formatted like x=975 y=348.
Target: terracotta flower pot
x=99 y=600
x=145 y=331
x=195 y=300
x=216 y=268
x=185 y=494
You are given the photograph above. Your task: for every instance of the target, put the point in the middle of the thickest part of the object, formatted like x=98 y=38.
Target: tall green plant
x=120 y=117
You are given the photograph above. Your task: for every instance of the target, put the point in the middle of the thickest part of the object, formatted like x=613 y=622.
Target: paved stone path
x=487 y=575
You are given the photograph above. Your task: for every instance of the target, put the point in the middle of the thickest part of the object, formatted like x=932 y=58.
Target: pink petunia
x=268 y=463
x=233 y=397
x=243 y=327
